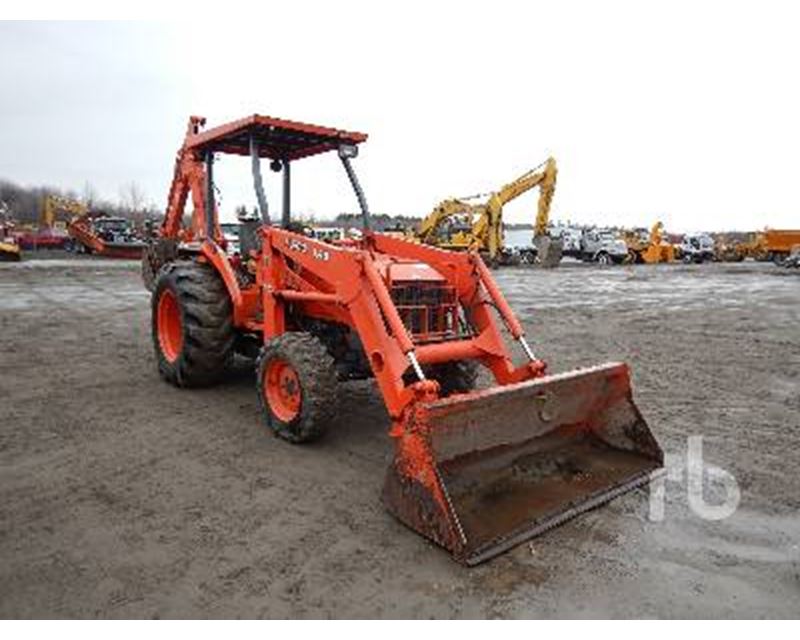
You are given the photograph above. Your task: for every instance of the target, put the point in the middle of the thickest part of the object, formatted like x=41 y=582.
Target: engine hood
x=408 y=271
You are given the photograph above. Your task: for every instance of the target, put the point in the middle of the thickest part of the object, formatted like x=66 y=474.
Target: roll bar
x=346 y=152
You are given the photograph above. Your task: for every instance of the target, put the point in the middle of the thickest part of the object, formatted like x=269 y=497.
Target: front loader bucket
x=479 y=473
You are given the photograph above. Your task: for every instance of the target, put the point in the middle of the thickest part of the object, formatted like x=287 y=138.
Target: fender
x=212 y=252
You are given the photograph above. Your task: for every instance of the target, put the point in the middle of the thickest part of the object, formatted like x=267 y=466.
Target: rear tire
x=192 y=324
x=297 y=386
x=458 y=376
x=148 y=274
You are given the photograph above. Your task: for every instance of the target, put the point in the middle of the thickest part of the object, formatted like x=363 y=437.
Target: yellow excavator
x=9 y=247
x=458 y=223
x=54 y=207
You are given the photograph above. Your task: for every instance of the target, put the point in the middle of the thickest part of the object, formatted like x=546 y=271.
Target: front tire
x=192 y=324
x=297 y=386
x=457 y=376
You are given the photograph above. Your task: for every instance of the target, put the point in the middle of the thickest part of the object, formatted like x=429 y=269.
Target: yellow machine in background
x=54 y=205
x=548 y=249
x=458 y=223
x=770 y=244
x=9 y=248
x=450 y=225
x=735 y=250
x=652 y=251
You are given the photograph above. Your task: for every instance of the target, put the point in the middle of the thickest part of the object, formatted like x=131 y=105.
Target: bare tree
x=89 y=195
x=132 y=196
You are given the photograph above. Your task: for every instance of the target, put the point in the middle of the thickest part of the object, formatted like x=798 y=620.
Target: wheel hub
x=170 y=327
x=282 y=390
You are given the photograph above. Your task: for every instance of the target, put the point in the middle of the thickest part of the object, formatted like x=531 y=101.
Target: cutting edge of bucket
x=497 y=547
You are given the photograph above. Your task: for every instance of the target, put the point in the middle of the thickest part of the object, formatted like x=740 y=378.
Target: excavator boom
x=54 y=205
x=486 y=218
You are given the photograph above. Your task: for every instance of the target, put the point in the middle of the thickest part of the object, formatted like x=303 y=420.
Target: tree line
x=24 y=204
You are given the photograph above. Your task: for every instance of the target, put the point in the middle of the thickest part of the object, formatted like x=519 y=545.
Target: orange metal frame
x=348 y=283
x=344 y=284
x=80 y=229
x=189 y=177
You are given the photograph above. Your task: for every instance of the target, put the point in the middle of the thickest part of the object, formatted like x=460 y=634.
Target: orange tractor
x=476 y=471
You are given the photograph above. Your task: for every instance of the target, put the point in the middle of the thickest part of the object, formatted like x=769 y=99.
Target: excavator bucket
x=479 y=473
x=548 y=251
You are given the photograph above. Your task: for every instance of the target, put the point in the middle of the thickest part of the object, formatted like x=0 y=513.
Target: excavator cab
x=476 y=470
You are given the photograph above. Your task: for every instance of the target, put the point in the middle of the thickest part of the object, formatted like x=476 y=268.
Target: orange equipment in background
x=655 y=250
x=106 y=236
x=777 y=244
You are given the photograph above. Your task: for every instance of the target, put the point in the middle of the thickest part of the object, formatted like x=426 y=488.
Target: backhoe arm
x=545 y=179
x=547 y=188
x=189 y=177
x=54 y=204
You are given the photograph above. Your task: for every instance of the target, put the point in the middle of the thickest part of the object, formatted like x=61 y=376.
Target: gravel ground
x=121 y=496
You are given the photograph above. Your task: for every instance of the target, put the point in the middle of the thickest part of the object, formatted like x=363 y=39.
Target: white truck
x=598 y=245
x=696 y=247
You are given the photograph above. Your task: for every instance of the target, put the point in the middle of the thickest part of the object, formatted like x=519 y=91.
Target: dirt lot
x=123 y=497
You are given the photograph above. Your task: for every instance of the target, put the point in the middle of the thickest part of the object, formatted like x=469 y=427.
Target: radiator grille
x=429 y=311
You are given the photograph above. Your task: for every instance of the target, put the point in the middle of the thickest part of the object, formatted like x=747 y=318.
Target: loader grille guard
x=430 y=312
x=474 y=471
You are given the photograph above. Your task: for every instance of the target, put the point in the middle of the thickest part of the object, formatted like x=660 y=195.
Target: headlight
x=348 y=151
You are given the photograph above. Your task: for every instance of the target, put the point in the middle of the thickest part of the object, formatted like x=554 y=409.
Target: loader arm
x=344 y=285
x=479 y=473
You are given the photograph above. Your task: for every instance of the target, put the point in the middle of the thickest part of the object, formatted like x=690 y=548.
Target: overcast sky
x=686 y=113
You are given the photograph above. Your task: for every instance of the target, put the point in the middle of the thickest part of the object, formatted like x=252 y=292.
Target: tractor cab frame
x=280 y=141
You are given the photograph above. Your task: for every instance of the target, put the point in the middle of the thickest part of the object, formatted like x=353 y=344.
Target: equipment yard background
x=124 y=497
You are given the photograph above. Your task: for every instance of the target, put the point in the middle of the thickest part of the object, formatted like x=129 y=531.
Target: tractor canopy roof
x=277 y=139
